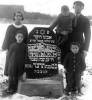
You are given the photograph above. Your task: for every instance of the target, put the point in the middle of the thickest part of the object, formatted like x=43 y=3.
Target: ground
x=87 y=90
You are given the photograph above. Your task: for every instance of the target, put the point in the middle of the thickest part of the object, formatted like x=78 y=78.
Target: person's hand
x=50 y=28
x=23 y=77
x=82 y=73
x=64 y=32
x=6 y=51
x=1 y=50
x=65 y=71
x=85 y=53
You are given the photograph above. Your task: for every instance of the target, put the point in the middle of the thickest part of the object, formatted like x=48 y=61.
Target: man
x=81 y=28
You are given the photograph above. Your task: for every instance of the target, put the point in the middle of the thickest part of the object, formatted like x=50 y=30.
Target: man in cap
x=81 y=28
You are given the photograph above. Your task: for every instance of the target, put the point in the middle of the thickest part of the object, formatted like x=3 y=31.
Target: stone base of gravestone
x=41 y=87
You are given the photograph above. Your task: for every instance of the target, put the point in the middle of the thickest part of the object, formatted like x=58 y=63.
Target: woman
x=11 y=32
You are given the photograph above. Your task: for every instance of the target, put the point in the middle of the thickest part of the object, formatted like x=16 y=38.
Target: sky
x=51 y=7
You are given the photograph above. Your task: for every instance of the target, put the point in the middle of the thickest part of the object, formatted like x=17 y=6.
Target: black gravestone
x=42 y=55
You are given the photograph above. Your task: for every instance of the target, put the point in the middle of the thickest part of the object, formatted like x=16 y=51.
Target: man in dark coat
x=81 y=31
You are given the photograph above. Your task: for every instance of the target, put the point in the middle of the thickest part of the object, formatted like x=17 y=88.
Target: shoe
x=64 y=97
x=80 y=94
x=67 y=93
x=73 y=93
x=5 y=90
x=10 y=91
x=6 y=93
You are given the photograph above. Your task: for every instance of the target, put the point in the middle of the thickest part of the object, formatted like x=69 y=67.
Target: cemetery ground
x=86 y=89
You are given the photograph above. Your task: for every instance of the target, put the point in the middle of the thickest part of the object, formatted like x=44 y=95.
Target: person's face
x=65 y=12
x=78 y=8
x=18 y=17
x=74 y=49
x=19 y=37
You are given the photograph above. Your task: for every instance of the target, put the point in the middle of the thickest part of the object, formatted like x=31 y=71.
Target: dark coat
x=16 y=62
x=81 y=33
x=10 y=38
x=74 y=65
x=63 y=23
x=10 y=35
x=74 y=62
x=82 y=28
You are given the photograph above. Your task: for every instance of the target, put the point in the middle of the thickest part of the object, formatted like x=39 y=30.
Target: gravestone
x=42 y=60
x=42 y=65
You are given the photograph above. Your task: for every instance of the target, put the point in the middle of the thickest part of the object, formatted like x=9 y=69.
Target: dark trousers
x=73 y=80
x=61 y=39
x=69 y=81
x=65 y=48
x=13 y=83
x=78 y=81
x=64 y=44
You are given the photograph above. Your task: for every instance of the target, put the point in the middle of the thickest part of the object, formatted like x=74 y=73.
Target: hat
x=79 y=2
x=76 y=43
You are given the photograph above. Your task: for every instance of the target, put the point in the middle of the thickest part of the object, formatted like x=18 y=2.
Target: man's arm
x=54 y=24
x=87 y=34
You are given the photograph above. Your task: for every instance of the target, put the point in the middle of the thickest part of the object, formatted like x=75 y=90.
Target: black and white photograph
x=45 y=50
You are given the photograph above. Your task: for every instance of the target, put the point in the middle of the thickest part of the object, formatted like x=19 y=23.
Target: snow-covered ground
x=87 y=90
